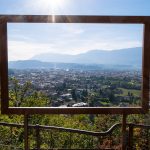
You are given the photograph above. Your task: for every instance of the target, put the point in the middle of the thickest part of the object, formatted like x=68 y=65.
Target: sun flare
x=52 y=4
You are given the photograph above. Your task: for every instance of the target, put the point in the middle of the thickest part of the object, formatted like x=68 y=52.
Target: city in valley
x=78 y=88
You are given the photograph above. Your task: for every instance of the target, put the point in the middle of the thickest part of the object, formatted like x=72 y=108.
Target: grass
x=125 y=92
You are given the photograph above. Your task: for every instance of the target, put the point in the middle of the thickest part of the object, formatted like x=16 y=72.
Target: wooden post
x=26 y=144
x=124 y=132
x=130 y=138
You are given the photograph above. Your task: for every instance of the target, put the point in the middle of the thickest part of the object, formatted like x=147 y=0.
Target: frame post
x=146 y=67
x=26 y=144
x=124 y=131
x=37 y=137
x=4 y=66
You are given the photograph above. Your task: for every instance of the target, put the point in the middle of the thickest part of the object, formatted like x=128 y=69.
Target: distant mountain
x=130 y=56
x=35 y=64
x=29 y=64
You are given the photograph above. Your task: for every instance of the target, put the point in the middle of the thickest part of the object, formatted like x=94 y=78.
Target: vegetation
x=22 y=95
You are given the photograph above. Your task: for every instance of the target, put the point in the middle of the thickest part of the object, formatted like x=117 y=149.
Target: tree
x=73 y=93
x=111 y=96
x=23 y=95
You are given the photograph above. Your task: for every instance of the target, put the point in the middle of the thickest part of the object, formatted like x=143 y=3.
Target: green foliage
x=24 y=95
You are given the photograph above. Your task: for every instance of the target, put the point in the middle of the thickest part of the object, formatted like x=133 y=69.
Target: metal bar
x=148 y=139
x=26 y=144
x=3 y=66
x=130 y=137
x=79 y=110
x=124 y=132
x=75 y=19
x=37 y=137
x=140 y=125
x=146 y=67
x=109 y=131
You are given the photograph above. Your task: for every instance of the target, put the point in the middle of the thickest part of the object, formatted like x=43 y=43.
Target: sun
x=54 y=3
x=51 y=5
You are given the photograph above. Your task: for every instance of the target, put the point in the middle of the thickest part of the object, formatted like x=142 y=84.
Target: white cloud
x=102 y=45
x=21 y=50
x=73 y=30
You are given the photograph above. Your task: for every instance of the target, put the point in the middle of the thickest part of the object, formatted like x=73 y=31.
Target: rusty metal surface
x=75 y=19
x=146 y=67
x=79 y=110
x=3 y=65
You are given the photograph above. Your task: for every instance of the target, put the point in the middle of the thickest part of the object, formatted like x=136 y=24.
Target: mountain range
x=129 y=58
x=120 y=57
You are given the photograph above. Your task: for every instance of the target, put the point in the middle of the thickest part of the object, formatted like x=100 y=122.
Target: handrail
x=139 y=125
x=92 y=133
x=71 y=130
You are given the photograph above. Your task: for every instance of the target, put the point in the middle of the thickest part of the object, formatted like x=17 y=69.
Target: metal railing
x=137 y=137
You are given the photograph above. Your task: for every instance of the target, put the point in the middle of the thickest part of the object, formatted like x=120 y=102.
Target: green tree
x=73 y=93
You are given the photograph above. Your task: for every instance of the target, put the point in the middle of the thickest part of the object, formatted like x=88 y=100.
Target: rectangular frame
x=4 y=19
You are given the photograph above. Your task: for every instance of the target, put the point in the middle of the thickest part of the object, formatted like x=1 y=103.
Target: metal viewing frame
x=4 y=19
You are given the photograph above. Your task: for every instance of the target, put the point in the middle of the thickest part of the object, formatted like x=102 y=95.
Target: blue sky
x=27 y=40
